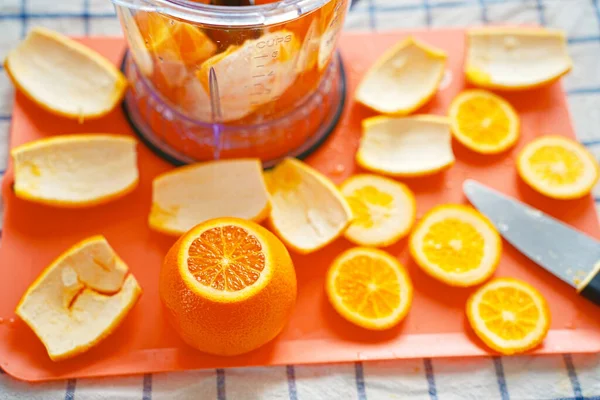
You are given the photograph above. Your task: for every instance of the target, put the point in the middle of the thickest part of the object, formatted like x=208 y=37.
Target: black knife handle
x=590 y=286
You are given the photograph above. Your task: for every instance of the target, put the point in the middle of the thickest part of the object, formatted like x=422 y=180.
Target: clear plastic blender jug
x=213 y=82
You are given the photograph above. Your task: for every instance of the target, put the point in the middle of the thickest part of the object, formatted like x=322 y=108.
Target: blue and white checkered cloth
x=525 y=377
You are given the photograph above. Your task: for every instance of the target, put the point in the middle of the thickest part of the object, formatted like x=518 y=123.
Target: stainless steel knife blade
x=564 y=251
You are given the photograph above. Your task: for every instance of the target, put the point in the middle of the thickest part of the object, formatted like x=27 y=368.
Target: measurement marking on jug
x=263 y=56
x=258 y=76
x=260 y=66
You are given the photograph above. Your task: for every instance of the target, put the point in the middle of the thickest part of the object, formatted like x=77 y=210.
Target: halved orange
x=484 y=122
x=369 y=288
x=558 y=167
x=509 y=315
x=229 y=286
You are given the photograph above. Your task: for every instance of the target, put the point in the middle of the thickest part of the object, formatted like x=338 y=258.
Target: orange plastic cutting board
x=34 y=234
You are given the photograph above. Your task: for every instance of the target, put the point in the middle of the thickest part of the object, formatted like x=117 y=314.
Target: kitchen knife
x=563 y=251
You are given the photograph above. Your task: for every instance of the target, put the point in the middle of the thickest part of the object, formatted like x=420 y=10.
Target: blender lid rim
x=207 y=14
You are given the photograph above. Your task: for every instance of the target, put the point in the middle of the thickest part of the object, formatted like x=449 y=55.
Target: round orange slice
x=509 y=315
x=369 y=288
x=229 y=286
x=456 y=245
x=484 y=122
x=558 y=167
x=384 y=210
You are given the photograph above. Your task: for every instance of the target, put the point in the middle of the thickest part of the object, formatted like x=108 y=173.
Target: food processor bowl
x=214 y=82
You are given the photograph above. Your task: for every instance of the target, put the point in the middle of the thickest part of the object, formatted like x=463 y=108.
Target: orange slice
x=403 y=79
x=515 y=58
x=369 y=288
x=76 y=170
x=384 y=210
x=187 y=196
x=456 y=245
x=79 y=299
x=558 y=167
x=229 y=286
x=308 y=211
x=509 y=315
x=484 y=122
x=405 y=146
x=65 y=77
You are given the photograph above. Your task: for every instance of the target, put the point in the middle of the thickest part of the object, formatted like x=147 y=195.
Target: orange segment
x=484 y=122
x=226 y=258
x=369 y=288
x=510 y=316
x=229 y=286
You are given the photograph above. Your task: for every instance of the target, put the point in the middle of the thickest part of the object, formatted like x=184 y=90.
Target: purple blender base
x=333 y=84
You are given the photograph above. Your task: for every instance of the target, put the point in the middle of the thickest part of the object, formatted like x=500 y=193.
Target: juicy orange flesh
x=483 y=121
x=370 y=206
x=509 y=312
x=556 y=165
x=226 y=258
x=368 y=287
x=171 y=39
x=453 y=245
